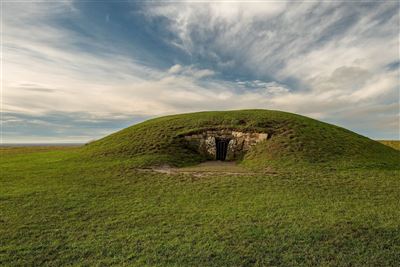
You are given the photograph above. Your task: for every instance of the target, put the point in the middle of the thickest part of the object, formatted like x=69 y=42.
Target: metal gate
x=222 y=147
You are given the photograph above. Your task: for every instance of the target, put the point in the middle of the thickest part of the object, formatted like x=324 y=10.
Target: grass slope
x=57 y=210
x=296 y=140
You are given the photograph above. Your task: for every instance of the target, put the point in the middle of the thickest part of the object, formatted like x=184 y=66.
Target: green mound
x=294 y=140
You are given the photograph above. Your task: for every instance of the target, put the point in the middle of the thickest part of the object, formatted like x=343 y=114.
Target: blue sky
x=74 y=71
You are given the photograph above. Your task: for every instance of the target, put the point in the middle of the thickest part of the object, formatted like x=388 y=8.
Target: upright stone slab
x=230 y=153
x=210 y=146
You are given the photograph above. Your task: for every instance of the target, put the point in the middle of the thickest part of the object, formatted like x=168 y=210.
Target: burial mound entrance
x=223 y=144
x=222 y=148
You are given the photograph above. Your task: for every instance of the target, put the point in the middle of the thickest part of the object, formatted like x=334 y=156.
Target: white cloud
x=175 y=69
x=190 y=71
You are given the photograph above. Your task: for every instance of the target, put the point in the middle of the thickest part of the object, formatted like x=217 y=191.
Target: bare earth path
x=207 y=168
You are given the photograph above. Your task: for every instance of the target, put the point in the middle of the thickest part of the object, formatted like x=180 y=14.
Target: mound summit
x=256 y=138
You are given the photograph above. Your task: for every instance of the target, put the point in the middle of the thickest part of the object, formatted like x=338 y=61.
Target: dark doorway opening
x=222 y=148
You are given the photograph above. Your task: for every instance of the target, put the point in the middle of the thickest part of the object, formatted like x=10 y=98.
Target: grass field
x=57 y=209
x=314 y=194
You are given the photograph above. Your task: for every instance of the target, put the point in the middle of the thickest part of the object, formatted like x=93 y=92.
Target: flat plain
x=58 y=210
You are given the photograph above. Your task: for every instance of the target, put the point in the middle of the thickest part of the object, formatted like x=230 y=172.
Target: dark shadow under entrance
x=222 y=148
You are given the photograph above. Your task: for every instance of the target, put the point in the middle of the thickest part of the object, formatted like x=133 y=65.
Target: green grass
x=296 y=140
x=392 y=143
x=331 y=199
x=57 y=209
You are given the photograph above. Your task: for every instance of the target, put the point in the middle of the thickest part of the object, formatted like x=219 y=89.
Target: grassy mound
x=296 y=140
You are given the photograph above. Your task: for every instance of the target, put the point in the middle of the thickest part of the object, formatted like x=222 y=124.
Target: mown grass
x=59 y=209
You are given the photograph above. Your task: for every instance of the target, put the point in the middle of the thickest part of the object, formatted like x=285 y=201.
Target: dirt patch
x=206 y=169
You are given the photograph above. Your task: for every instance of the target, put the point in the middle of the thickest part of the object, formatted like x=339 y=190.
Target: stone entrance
x=222 y=148
x=223 y=144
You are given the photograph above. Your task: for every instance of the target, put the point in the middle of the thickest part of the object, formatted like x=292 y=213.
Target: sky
x=75 y=71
